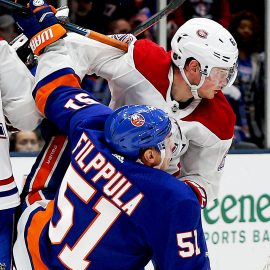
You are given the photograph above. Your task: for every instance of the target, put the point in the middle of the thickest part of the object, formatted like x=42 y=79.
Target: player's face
x=217 y=79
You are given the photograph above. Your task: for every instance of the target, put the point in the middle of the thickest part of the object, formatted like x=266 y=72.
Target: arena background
x=237 y=224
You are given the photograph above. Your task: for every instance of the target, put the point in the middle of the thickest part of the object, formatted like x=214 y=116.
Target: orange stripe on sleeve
x=39 y=8
x=44 y=92
x=42 y=7
x=39 y=220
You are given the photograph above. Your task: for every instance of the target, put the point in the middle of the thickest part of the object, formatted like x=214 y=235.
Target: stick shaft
x=15 y=7
x=172 y=6
x=95 y=35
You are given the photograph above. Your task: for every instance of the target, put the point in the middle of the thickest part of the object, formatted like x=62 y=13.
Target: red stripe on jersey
x=33 y=197
x=38 y=222
x=46 y=167
x=44 y=91
x=216 y=114
x=6 y=181
x=153 y=62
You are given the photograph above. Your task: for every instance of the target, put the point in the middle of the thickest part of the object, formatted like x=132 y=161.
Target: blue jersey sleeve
x=189 y=238
x=182 y=243
x=63 y=102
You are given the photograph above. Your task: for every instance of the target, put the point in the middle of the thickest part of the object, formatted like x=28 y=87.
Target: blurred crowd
x=244 y=19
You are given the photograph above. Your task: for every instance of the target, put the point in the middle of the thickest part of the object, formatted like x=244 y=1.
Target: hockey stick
x=172 y=6
x=71 y=27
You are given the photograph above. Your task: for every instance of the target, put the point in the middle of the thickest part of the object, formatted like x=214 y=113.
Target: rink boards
x=237 y=224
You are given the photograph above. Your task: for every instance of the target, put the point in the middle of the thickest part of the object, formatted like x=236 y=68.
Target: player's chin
x=211 y=94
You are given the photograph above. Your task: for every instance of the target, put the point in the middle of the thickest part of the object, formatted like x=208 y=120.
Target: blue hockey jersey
x=110 y=213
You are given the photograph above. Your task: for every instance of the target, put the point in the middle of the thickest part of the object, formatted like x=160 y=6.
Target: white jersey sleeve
x=16 y=85
x=144 y=75
x=17 y=104
x=9 y=196
x=204 y=159
x=90 y=56
x=127 y=84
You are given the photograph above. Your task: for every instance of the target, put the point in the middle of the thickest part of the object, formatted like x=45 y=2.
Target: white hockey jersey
x=144 y=75
x=17 y=105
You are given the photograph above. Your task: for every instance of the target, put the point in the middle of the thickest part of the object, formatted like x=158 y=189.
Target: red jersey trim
x=221 y=122
x=153 y=62
x=7 y=181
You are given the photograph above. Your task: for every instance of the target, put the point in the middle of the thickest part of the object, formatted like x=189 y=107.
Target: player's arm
x=184 y=245
x=16 y=84
x=57 y=92
x=92 y=57
x=204 y=165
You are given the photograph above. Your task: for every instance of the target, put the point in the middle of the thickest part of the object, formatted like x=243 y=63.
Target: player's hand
x=44 y=13
x=41 y=27
x=28 y=24
x=199 y=191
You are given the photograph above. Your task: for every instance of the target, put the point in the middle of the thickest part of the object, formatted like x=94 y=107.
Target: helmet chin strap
x=193 y=88
x=162 y=155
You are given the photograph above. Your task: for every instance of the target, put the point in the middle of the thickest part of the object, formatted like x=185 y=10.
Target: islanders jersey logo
x=137 y=120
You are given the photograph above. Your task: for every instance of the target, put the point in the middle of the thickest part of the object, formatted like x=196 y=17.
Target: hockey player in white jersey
x=105 y=235
x=16 y=105
x=186 y=82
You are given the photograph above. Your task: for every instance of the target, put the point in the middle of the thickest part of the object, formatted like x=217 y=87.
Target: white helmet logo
x=38 y=3
x=202 y=33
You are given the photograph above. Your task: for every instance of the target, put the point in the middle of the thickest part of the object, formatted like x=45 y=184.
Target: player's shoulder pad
x=153 y=62
x=147 y=49
x=216 y=114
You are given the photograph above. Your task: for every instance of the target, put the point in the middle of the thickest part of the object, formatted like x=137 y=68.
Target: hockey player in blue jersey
x=115 y=208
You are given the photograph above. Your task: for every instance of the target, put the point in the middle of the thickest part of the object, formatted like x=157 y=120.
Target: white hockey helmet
x=209 y=43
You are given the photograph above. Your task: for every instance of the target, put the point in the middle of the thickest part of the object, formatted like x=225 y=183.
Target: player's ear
x=194 y=66
x=150 y=157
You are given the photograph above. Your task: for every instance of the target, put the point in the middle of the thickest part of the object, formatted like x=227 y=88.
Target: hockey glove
x=199 y=191
x=28 y=24
x=41 y=27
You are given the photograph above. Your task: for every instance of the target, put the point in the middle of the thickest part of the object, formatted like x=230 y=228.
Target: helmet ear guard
x=134 y=127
